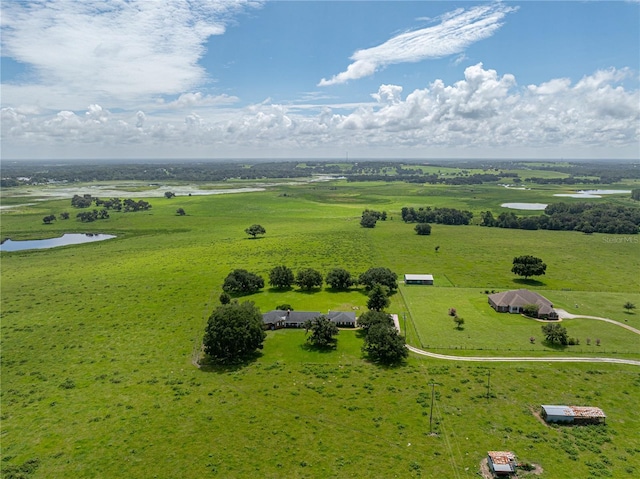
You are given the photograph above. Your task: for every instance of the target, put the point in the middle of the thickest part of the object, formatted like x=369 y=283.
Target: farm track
x=497 y=359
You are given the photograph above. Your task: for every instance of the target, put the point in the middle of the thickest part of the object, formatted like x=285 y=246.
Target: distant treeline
x=24 y=172
x=585 y=217
x=572 y=180
x=431 y=178
x=443 y=216
x=17 y=174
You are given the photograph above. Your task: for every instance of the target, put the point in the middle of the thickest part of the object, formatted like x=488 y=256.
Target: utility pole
x=433 y=385
x=489 y=384
x=404 y=317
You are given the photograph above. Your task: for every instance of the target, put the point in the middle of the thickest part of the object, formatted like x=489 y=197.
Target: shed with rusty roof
x=573 y=414
x=501 y=463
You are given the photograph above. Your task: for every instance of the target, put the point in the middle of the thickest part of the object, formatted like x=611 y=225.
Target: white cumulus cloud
x=484 y=114
x=458 y=30
x=109 y=50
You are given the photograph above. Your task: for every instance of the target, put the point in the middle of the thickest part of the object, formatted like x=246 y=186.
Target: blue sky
x=237 y=79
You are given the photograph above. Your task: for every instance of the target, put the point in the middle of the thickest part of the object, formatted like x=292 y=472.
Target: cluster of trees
x=444 y=216
x=116 y=204
x=382 y=341
x=51 y=218
x=371 y=217
x=584 y=217
x=91 y=216
x=241 y=281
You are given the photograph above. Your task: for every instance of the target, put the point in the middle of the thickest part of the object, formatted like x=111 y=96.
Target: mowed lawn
x=98 y=342
x=429 y=324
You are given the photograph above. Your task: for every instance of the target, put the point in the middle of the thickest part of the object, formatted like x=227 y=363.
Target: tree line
x=241 y=281
x=584 y=217
x=444 y=216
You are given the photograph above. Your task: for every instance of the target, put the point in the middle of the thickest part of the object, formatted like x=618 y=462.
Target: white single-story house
x=573 y=414
x=278 y=319
x=418 y=279
x=515 y=300
x=501 y=463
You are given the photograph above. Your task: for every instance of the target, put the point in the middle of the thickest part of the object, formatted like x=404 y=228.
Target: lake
x=64 y=240
x=524 y=206
x=593 y=193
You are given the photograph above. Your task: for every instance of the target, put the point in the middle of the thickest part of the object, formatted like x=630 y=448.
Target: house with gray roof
x=515 y=300
x=278 y=319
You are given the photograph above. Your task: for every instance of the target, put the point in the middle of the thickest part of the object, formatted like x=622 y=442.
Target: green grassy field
x=98 y=342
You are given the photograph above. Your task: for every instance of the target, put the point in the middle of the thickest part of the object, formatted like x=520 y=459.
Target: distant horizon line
x=319 y=158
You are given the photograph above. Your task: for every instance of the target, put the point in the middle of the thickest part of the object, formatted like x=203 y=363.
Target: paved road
x=496 y=359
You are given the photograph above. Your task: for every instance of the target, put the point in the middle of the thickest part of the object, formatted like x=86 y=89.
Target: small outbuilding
x=501 y=463
x=573 y=414
x=418 y=279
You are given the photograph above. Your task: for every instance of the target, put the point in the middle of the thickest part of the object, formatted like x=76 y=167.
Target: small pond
x=64 y=240
x=524 y=206
x=592 y=193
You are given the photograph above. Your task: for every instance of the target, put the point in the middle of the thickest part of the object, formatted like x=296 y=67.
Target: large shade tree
x=384 y=344
x=378 y=297
x=281 y=277
x=308 y=278
x=255 y=230
x=383 y=276
x=242 y=281
x=528 y=266
x=339 y=278
x=369 y=318
x=234 y=332
x=323 y=331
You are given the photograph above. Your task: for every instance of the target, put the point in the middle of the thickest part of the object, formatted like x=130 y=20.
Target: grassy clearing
x=97 y=342
x=484 y=329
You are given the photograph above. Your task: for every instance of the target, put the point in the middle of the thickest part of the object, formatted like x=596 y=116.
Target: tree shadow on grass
x=309 y=291
x=529 y=282
x=555 y=346
x=209 y=365
x=385 y=365
x=319 y=349
x=275 y=289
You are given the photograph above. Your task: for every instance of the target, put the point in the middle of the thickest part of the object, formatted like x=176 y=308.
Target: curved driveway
x=562 y=314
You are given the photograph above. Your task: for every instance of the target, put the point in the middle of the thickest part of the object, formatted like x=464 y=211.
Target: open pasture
x=98 y=341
